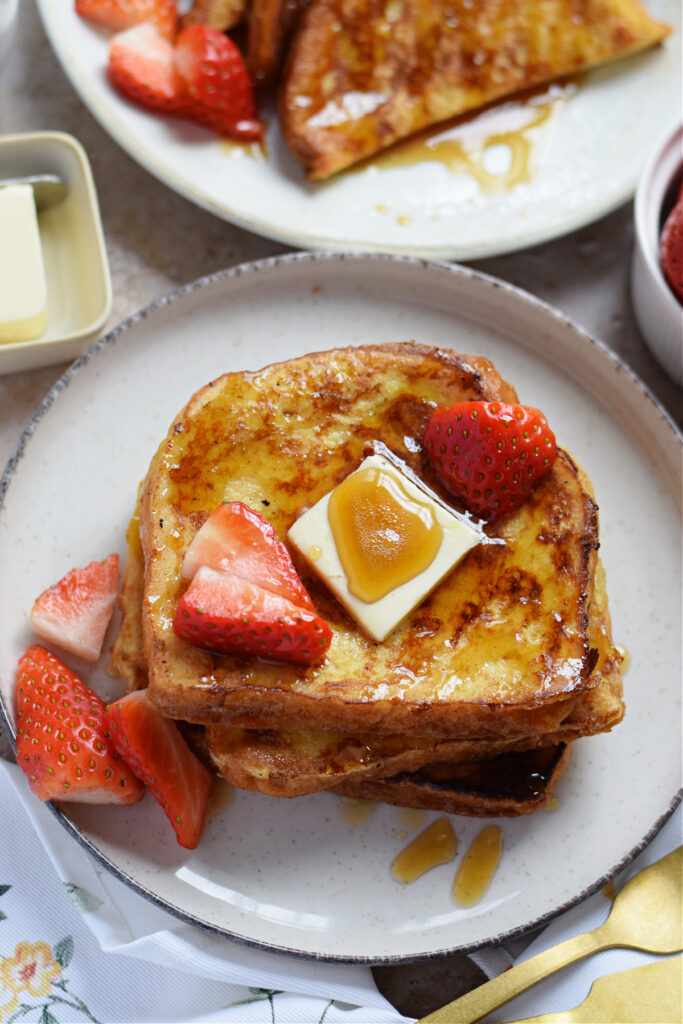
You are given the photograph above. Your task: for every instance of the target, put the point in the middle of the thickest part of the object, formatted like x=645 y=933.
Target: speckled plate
x=572 y=160
x=297 y=876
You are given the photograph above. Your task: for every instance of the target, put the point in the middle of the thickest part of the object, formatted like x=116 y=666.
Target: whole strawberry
x=490 y=454
x=671 y=248
x=63 y=745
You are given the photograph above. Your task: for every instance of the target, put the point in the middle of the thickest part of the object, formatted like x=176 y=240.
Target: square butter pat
x=313 y=536
x=23 y=292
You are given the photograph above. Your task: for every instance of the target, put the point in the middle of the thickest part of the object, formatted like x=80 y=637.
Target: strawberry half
x=230 y=615
x=63 y=745
x=119 y=15
x=671 y=249
x=142 y=68
x=74 y=613
x=219 y=93
x=158 y=755
x=490 y=454
x=236 y=539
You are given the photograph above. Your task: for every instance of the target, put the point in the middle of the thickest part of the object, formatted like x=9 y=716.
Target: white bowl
x=658 y=312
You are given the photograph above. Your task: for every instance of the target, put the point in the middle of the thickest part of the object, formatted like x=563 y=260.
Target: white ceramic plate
x=585 y=160
x=293 y=875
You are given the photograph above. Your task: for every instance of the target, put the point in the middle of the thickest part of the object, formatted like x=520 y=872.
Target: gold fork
x=647 y=914
x=651 y=994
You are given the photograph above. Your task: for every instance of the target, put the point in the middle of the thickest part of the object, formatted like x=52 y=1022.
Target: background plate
x=585 y=161
x=294 y=875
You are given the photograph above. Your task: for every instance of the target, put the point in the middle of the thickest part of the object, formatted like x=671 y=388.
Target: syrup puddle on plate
x=625 y=656
x=243 y=150
x=435 y=846
x=357 y=812
x=478 y=867
x=499 y=146
x=222 y=793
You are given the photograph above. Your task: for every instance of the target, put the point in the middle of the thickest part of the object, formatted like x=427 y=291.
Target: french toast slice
x=500 y=648
x=507 y=785
x=281 y=763
x=362 y=74
x=287 y=764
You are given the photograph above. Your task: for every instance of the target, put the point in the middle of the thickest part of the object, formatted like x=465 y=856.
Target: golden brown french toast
x=507 y=785
x=362 y=74
x=499 y=649
x=282 y=763
x=287 y=764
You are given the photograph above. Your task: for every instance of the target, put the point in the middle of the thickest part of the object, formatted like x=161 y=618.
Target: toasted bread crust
x=507 y=785
x=363 y=74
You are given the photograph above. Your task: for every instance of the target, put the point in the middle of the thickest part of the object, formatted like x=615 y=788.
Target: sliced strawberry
x=671 y=249
x=142 y=67
x=74 y=613
x=156 y=752
x=238 y=540
x=490 y=454
x=118 y=15
x=63 y=745
x=229 y=615
x=219 y=91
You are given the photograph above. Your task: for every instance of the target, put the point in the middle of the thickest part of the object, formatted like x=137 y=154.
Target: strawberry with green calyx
x=74 y=614
x=158 y=755
x=490 y=455
x=230 y=615
x=63 y=746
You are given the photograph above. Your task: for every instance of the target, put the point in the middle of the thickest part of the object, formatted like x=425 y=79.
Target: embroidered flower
x=32 y=969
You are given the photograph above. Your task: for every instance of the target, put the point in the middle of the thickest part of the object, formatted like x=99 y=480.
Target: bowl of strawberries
x=657 y=266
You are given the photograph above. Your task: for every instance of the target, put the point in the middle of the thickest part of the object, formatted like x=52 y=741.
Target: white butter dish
x=79 y=293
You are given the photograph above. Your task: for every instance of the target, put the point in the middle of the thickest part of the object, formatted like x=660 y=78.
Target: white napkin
x=568 y=988
x=81 y=947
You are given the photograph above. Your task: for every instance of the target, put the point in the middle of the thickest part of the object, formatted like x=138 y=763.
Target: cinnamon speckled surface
x=157 y=241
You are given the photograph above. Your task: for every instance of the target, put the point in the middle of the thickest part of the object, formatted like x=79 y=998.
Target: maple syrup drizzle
x=478 y=867
x=436 y=845
x=238 y=150
x=383 y=536
x=609 y=891
x=467 y=145
x=222 y=793
x=357 y=812
x=625 y=656
x=411 y=817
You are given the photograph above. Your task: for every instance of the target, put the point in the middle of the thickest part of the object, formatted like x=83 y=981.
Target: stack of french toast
x=356 y=76
x=471 y=702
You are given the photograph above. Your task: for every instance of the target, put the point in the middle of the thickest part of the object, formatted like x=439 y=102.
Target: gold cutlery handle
x=481 y=1001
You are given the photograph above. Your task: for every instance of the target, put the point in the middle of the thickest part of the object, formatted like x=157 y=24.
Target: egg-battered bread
x=499 y=649
x=362 y=74
x=503 y=786
x=288 y=764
